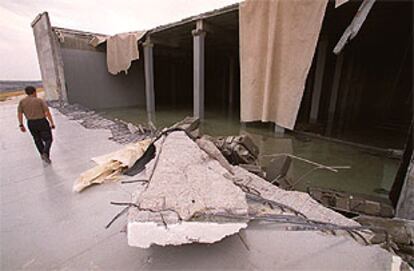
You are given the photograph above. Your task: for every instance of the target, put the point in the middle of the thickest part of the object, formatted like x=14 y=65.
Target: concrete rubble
x=185 y=183
x=399 y=233
x=192 y=196
x=110 y=166
x=191 y=193
x=122 y=132
x=355 y=204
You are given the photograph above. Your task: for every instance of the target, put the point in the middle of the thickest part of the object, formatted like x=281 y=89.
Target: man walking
x=36 y=111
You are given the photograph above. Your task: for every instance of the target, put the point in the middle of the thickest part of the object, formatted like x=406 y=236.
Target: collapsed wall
x=50 y=60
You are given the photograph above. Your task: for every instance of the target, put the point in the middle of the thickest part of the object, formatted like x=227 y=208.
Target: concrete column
x=334 y=94
x=231 y=85
x=198 y=69
x=243 y=128
x=343 y=106
x=224 y=87
x=50 y=59
x=317 y=86
x=149 y=79
x=174 y=82
x=279 y=130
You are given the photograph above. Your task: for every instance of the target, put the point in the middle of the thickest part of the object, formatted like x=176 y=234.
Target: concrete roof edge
x=78 y=32
x=212 y=13
x=194 y=18
x=37 y=18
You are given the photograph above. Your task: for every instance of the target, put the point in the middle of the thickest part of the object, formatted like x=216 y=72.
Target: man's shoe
x=46 y=158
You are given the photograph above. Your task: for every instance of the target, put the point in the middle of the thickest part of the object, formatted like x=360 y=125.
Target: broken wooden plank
x=110 y=166
x=352 y=30
x=319 y=75
x=339 y=3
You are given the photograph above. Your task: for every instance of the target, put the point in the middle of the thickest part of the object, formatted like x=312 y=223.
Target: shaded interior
x=374 y=98
x=173 y=67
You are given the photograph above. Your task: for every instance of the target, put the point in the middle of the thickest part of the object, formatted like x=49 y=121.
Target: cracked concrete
x=186 y=182
x=299 y=201
x=44 y=226
x=121 y=132
x=189 y=183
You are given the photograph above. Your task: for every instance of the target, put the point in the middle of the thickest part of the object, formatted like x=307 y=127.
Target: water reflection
x=369 y=174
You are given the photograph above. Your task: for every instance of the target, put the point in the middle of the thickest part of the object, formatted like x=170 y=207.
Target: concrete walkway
x=44 y=225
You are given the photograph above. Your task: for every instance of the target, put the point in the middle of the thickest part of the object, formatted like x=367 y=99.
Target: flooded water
x=369 y=174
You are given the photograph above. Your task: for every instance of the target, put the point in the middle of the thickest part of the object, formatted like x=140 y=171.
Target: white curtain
x=277 y=43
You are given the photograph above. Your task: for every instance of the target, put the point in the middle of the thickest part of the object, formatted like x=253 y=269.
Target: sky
x=18 y=59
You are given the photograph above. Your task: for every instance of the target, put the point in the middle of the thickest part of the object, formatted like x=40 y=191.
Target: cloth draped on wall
x=98 y=40
x=121 y=49
x=277 y=43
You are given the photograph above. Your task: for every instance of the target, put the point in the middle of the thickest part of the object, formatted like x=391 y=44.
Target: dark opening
x=173 y=71
x=374 y=102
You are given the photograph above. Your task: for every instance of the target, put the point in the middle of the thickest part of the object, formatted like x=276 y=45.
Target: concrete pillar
x=344 y=104
x=149 y=79
x=243 y=128
x=198 y=69
x=279 y=130
x=231 y=86
x=317 y=86
x=174 y=82
x=50 y=59
x=224 y=87
x=334 y=94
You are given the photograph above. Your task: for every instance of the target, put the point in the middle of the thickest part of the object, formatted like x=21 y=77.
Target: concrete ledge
x=144 y=234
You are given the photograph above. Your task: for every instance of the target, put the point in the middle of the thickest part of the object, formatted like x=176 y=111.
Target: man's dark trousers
x=42 y=135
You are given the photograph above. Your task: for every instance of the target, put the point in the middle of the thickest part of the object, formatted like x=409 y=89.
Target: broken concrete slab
x=188 y=181
x=393 y=232
x=195 y=196
x=190 y=124
x=165 y=228
x=299 y=201
x=185 y=182
x=208 y=146
x=352 y=203
x=190 y=190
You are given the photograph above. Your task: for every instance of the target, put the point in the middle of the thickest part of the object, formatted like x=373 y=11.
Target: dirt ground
x=7 y=95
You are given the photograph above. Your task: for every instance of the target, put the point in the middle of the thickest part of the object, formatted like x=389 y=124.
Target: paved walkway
x=44 y=225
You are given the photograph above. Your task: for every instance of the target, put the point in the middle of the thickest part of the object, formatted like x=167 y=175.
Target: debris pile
x=193 y=194
x=397 y=234
x=353 y=204
x=238 y=149
x=122 y=132
x=184 y=185
x=110 y=166
x=197 y=190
